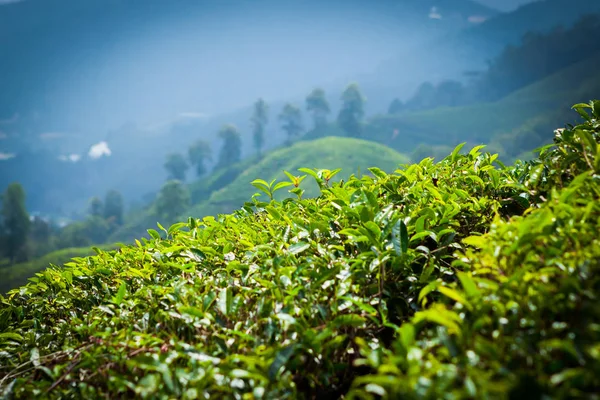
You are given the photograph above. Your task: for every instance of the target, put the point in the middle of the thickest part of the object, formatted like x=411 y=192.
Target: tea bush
x=458 y=279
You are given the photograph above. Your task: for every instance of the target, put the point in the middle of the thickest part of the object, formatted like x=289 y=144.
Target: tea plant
x=458 y=279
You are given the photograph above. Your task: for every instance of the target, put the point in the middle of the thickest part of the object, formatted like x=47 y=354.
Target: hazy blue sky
x=498 y=4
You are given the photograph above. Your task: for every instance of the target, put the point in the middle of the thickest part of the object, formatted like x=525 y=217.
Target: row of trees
x=200 y=153
x=349 y=119
x=23 y=237
x=447 y=93
x=15 y=223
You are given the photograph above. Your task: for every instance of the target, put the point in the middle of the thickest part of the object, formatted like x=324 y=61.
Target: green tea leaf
x=468 y=284
x=281 y=185
x=400 y=237
x=281 y=358
x=352 y=320
x=273 y=212
x=193 y=311
x=454 y=295
x=298 y=248
x=456 y=151
x=378 y=173
x=118 y=299
x=6 y=336
x=154 y=234
x=225 y=301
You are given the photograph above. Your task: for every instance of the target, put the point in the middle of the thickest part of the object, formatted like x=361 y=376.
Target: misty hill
x=178 y=54
x=231 y=187
x=471 y=48
x=546 y=101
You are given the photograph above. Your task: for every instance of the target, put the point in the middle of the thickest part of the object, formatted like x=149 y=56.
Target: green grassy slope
x=576 y=81
x=351 y=155
x=16 y=275
x=479 y=123
x=200 y=190
x=227 y=190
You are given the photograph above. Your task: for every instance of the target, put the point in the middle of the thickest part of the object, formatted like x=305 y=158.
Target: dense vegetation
x=19 y=274
x=457 y=279
x=226 y=189
x=24 y=238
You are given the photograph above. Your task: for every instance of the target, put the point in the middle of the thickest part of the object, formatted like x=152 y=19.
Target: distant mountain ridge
x=477 y=44
x=539 y=16
x=60 y=34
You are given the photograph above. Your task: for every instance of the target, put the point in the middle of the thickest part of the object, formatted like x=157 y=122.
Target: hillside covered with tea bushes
x=458 y=279
x=225 y=190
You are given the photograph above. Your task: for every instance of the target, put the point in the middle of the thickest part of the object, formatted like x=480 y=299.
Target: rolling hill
x=351 y=155
x=229 y=189
x=17 y=275
x=481 y=122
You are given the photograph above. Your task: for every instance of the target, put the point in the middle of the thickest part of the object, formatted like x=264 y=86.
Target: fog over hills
x=93 y=88
x=97 y=64
x=117 y=74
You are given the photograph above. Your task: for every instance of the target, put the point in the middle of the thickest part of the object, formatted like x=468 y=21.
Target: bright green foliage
x=291 y=121
x=460 y=279
x=522 y=315
x=198 y=154
x=14 y=221
x=176 y=166
x=173 y=199
x=18 y=274
x=352 y=111
x=317 y=104
x=231 y=152
x=352 y=155
x=259 y=120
